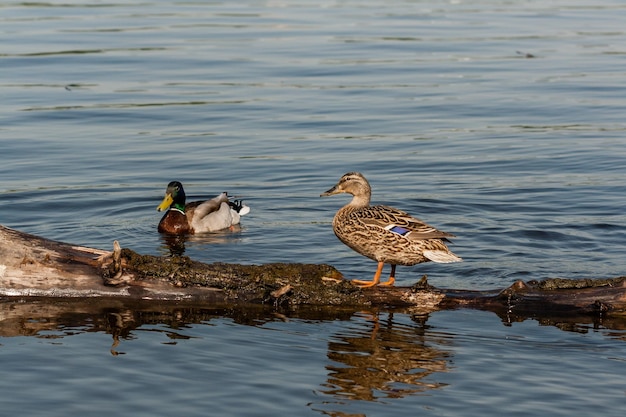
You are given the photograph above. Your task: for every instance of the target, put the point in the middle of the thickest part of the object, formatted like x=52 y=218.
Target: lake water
x=501 y=122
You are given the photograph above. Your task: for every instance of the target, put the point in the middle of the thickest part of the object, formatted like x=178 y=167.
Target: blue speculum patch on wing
x=398 y=229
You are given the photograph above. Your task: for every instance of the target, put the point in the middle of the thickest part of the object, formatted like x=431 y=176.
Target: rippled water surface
x=501 y=122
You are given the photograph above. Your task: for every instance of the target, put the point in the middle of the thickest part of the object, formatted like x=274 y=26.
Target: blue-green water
x=501 y=122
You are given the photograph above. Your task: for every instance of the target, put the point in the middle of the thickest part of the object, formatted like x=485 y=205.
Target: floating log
x=32 y=266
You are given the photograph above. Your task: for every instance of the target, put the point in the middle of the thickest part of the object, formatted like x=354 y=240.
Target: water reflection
x=371 y=357
x=175 y=245
x=377 y=335
x=384 y=359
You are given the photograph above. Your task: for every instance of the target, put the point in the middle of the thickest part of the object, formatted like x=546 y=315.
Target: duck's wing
x=205 y=208
x=399 y=222
x=213 y=215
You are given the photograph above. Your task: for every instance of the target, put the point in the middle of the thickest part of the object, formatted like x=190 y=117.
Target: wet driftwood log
x=32 y=266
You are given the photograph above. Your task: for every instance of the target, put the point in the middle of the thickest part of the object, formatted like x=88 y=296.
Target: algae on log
x=269 y=283
x=32 y=266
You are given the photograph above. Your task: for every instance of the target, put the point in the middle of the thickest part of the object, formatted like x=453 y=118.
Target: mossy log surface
x=31 y=266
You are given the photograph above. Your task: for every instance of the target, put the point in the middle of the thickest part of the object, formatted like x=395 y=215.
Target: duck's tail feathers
x=441 y=256
x=239 y=207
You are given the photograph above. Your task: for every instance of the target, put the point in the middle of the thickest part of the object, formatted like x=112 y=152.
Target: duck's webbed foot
x=376 y=280
x=364 y=284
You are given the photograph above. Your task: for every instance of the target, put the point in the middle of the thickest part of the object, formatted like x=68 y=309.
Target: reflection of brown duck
x=198 y=216
x=390 y=359
x=385 y=234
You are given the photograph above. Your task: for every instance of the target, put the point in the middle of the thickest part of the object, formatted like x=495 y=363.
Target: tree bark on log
x=31 y=266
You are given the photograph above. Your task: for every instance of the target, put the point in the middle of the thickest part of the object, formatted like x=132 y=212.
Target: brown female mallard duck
x=198 y=216
x=385 y=234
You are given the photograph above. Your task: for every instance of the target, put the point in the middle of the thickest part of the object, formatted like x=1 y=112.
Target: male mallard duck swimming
x=385 y=234
x=198 y=216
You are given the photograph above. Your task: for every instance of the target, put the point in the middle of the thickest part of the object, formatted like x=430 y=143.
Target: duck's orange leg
x=376 y=280
x=392 y=276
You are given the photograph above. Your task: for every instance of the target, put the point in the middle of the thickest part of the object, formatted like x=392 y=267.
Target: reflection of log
x=33 y=266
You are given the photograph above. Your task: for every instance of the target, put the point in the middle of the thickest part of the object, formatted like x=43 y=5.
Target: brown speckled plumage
x=385 y=234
